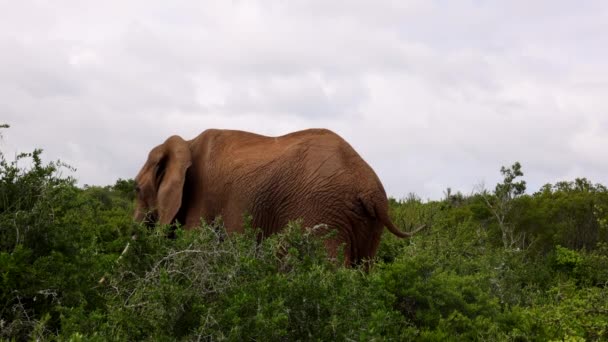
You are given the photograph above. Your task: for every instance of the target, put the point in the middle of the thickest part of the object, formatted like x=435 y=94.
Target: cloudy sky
x=433 y=94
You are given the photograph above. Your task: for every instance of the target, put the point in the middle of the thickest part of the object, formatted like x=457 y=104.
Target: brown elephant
x=312 y=175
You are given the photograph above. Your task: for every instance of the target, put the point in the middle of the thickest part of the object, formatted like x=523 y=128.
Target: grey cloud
x=433 y=94
x=302 y=95
x=38 y=71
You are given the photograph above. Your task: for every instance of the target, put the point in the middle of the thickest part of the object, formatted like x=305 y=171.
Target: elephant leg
x=339 y=247
x=368 y=241
x=233 y=217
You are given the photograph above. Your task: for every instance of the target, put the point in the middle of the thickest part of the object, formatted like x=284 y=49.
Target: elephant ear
x=170 y=178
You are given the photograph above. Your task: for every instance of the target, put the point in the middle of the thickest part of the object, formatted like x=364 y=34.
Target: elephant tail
x=381 y=213
x=398 y=232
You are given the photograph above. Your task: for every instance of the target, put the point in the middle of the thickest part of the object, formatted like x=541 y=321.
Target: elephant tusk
x=103 y=279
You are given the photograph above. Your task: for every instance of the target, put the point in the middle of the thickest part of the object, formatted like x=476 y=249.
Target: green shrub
x=205 y=284
x=70 y=270
x=56 y=241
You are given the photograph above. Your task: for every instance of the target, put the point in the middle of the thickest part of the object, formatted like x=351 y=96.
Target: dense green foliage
x=500 y=265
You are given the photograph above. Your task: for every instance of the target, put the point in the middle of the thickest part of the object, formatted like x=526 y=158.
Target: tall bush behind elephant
x=313 y=175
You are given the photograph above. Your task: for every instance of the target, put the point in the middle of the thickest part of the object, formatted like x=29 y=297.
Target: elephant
x=312 y=175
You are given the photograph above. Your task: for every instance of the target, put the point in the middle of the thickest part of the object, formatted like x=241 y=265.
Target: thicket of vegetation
x=494 y=265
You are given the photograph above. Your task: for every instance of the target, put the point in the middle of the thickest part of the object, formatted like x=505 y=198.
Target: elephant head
x=160 y=183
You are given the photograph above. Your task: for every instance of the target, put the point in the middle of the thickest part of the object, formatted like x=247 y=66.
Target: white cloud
x=432 y=94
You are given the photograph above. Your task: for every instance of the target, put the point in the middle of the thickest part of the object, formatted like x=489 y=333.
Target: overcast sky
x=432 y=94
